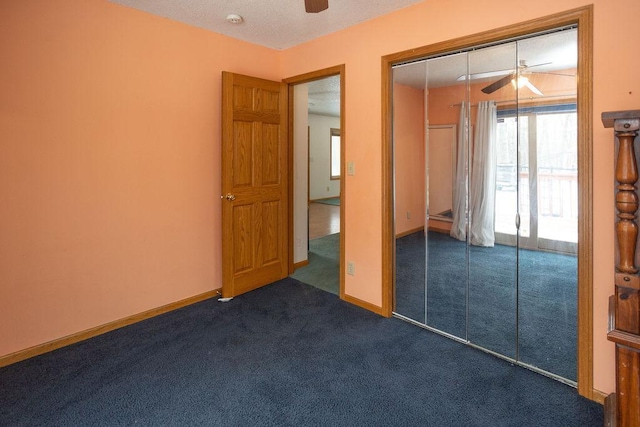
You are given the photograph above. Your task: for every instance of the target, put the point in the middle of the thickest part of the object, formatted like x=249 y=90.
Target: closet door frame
x=583 y=18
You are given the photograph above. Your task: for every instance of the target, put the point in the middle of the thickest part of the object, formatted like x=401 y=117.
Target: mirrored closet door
x=485 y=188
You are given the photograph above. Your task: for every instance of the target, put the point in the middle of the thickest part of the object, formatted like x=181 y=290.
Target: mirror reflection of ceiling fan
x=516 y=78
x=315 y=6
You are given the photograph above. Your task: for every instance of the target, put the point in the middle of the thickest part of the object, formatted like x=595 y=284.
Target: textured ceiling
x=278 y=24
x=324 y=96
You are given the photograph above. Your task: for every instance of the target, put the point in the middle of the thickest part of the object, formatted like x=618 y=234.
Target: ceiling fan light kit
x=516 y=79
x=519 y=82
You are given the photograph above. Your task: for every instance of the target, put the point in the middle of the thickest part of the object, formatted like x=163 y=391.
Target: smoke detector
x=234 y=18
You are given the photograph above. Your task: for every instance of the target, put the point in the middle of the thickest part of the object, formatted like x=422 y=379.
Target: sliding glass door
x=547 y=172
x=485 y=143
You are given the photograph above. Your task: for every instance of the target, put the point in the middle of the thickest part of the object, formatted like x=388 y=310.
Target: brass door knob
x=230 y=197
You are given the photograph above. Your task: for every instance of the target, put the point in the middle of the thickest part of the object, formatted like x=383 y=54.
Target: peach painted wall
x=109 y=163
x=408 y=136
x=616 y=86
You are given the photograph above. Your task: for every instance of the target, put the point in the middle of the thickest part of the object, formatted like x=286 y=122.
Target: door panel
x=492 y=304
x=270 y=216
x=270 y=155
x=242 y=154
x=242 y=236
x=254 y=183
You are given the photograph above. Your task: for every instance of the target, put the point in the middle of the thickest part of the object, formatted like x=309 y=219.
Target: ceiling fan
x=315 y=6
x=516 y=78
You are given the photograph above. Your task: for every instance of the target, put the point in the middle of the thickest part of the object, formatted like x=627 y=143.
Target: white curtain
x=459 y=226
x=483 y=177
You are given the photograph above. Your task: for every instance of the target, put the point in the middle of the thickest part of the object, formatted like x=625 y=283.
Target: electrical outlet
x=351 y=268
x=408 y=214
x=328 y=188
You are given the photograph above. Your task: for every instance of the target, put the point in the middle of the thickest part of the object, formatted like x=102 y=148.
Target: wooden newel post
x=626 y=202
x=622 y=408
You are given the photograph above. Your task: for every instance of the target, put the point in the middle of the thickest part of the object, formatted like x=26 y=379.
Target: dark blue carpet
x=287 y=355
x=547 y=298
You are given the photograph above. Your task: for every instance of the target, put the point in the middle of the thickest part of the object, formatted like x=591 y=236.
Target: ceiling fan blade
x=524 y=66
x=315 y=6
x=475 y=76
x=532 y=88
x=551 y=73
x=498 y=84
x=486 y=75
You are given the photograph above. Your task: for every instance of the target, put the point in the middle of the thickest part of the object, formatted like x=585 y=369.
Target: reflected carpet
x=547 y=309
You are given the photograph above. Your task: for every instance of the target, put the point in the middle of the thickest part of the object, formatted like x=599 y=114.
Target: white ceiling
x=277 y=24
x=324 y=96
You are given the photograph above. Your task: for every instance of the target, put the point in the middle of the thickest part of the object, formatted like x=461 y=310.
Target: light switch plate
x=351 y=168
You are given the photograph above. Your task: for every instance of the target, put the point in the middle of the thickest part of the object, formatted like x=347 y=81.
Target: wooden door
x=254 y=183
